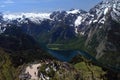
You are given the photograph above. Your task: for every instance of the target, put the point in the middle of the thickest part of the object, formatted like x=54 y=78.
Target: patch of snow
x=114 y=5
x=90 y=21
x=99 y=15
x=106 y=11
x=76 y=30
x=73 y=11
x=82 y=33
x=95 y=21
x=91 y=15
x=60 y=20
x=3 y=29
x=102 y=20
x=78 y=21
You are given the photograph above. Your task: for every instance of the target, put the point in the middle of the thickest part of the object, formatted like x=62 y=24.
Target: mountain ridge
x=95 y=30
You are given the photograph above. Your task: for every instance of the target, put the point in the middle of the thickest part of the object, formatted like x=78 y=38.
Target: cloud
x=8 y=2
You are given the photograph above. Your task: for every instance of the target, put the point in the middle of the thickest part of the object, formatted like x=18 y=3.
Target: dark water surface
x=67 y=55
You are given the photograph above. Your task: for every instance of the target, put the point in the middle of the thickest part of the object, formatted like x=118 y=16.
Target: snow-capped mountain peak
x=103 y=8
x=75 y=17
x=74 y=11
x=35 y=17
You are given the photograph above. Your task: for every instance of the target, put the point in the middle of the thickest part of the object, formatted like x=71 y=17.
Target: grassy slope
x=7 y=71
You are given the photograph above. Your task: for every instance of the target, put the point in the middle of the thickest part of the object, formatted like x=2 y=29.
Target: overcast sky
x=45 y=5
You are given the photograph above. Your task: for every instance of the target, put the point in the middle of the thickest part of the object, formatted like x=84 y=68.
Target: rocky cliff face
x=104 y=32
